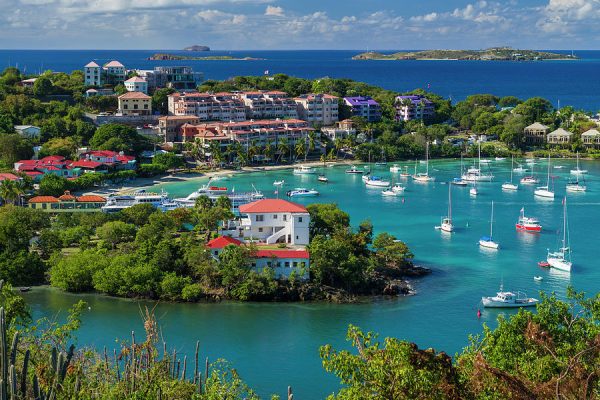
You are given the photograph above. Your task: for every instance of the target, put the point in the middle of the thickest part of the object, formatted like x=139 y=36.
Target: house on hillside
x=535 y=134
x=559 y=136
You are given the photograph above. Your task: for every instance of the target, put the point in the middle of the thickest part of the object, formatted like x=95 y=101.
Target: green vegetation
x=495 y=53
x=165 y=56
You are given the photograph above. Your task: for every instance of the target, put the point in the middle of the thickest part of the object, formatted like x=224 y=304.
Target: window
x=295 y=264
x=299 y=219
x=253 y=265
x=260 y=218
x=285 y=217
x=287 y=264
x=274 y=216
x=297 y=237
x=303 y=264
x=260 y=229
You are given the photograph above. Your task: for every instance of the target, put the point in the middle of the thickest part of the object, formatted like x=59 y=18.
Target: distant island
x=197 y=48
x=494 y=54
x=168 y=57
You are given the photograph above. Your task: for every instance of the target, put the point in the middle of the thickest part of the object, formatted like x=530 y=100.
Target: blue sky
x=299 y=24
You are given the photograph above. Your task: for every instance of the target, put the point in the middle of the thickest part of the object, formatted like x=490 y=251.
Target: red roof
x=86 y=164
x=91 y=199
x=52 y=158
x=282 y=254
x=33 y=173
x=222 y=241
x=272 y=206
x=43 y=199
x=9 y=176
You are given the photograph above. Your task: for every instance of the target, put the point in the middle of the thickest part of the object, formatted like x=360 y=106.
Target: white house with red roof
x=113 y=72
x=282 y=261
x=136 y=84
x=109 y=158
x=275 y=221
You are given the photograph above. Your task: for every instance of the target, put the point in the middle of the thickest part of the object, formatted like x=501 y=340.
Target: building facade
x=169 y=126
x=135 y=103
x=176 y=77
x=535 y=134
x=92 y=74
x=67 y=203
x=341 y=130
x=559 y=136
x=318 y=109
x=207 y=107
x=268 y=105
x=136 y=84
x=111 y=73
x=413 y=107
x=364 y=107
x=591 y=139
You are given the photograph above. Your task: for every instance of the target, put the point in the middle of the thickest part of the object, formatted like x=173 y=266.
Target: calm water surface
x=275 y=345
x=572 y=83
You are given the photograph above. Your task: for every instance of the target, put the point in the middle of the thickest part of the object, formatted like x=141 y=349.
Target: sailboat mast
x=492 y=221
x=427 y=159
x=548 y=179
x=512 y=165
x=450 y=202
x=564 y=224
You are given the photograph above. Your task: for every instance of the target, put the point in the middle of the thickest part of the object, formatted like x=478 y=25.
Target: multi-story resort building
x=268 y=105
x=111 y=73
x=176 y=77
x=413 y=107
x=169 y=126
x=249 y=133
x=364 y=107
x=341 y=130
x=591 y=139
x=318 y=109
x=207 y=107
x=136 y=84
x=135 y=103
x=267 y=222
x=535 y=134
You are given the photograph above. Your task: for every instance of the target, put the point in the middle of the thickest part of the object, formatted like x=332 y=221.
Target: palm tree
x=312 y=139
x=283 y=147
x=300 y=148
x=253 y=151
x=269 y=151
x=11 y=191
x=215 y=152
x=197 y=150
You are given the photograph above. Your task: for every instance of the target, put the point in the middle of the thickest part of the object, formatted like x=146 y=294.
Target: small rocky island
x=170 y=57
x=491 y=54
x=197 y=47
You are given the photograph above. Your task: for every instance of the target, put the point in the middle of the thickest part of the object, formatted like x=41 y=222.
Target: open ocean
x=572 y=82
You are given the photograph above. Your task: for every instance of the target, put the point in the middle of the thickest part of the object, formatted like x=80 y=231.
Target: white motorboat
x=486 y=161
x=530 y=161
x=424 y=176
x=278 y=183
x=459 y=182
x=538 y=278
x=504 y=299
x=304 y=170
x=354 y=170
x=500 y=158
x=213 y=192
x=510 y=185
x=544 y=191
x=446 y=225
x=527 y=224
x=302 y=192
x=578 y=171
x=488 y=241
x=395 y=168
x=529 y=180
x=389 y=192
x=161 y=201
x=376 y=181
x=398 y=188
x=561 y=259
x=323 y=178
x=520 y=169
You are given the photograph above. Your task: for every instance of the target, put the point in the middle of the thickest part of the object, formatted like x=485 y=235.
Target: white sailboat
x=424 y=177
x=578 y=171
x=561 y=259
x=488 y=241
x=460 y=181
x=531 y=179
x=576 y=186
x=476 y=175
x=544 y=191
x=510 y=185
x=447 y=225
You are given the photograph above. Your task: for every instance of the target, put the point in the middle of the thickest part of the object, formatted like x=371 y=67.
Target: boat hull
x=490 y=303
x=560 y=264
x=544 y=193
x=509 y=186
x=528 y=228
x=489 y=244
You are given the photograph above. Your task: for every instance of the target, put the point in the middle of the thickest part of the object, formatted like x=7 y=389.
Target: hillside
x=495 y=53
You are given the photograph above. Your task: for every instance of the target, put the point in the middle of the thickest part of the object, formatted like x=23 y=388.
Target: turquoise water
x=275 y=345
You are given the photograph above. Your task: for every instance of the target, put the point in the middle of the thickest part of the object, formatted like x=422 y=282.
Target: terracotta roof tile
x=272 y=206
x=222 y=241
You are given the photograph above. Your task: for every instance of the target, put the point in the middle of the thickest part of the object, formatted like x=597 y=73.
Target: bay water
x=275 y=345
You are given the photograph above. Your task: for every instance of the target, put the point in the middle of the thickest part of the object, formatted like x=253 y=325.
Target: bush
x=172 y=286
x=147 y=170
x=75 y=272
x=191 y=292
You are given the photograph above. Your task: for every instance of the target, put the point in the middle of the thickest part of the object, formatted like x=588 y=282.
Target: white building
x=275 y=221
x=318 y=109
x=92 y=74
x=341 y=130
x=28 y=131
x=136 y=84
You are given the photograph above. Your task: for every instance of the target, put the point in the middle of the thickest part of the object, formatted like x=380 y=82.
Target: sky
x=299 y=24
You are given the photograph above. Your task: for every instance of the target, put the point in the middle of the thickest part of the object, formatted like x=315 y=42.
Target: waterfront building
x=282 y=261
x=169 y=126
x=67 y=203
x=341 y=130
x=268 y=105
x=54 y=165
x=364 y=107
x=176 y=77
x=559 y=136
x=413 y=107
x=591 y=139
x=135 y=103
x=28 y=131
x=92 y=74
x=318 y=109
x=535 y=134
x=207 y=107
x=136 y=84
x=273 y=221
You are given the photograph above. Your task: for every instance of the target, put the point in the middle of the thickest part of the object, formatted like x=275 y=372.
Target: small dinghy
x=538 y=278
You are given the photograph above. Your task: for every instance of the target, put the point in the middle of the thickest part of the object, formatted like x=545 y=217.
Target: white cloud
x=274 y=11
x=425 y=18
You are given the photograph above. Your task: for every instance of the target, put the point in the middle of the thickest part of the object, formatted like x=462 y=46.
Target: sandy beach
x=143 y=183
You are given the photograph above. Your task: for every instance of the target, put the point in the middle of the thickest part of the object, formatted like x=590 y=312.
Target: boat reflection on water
x=528 y=238
x=559 y=276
